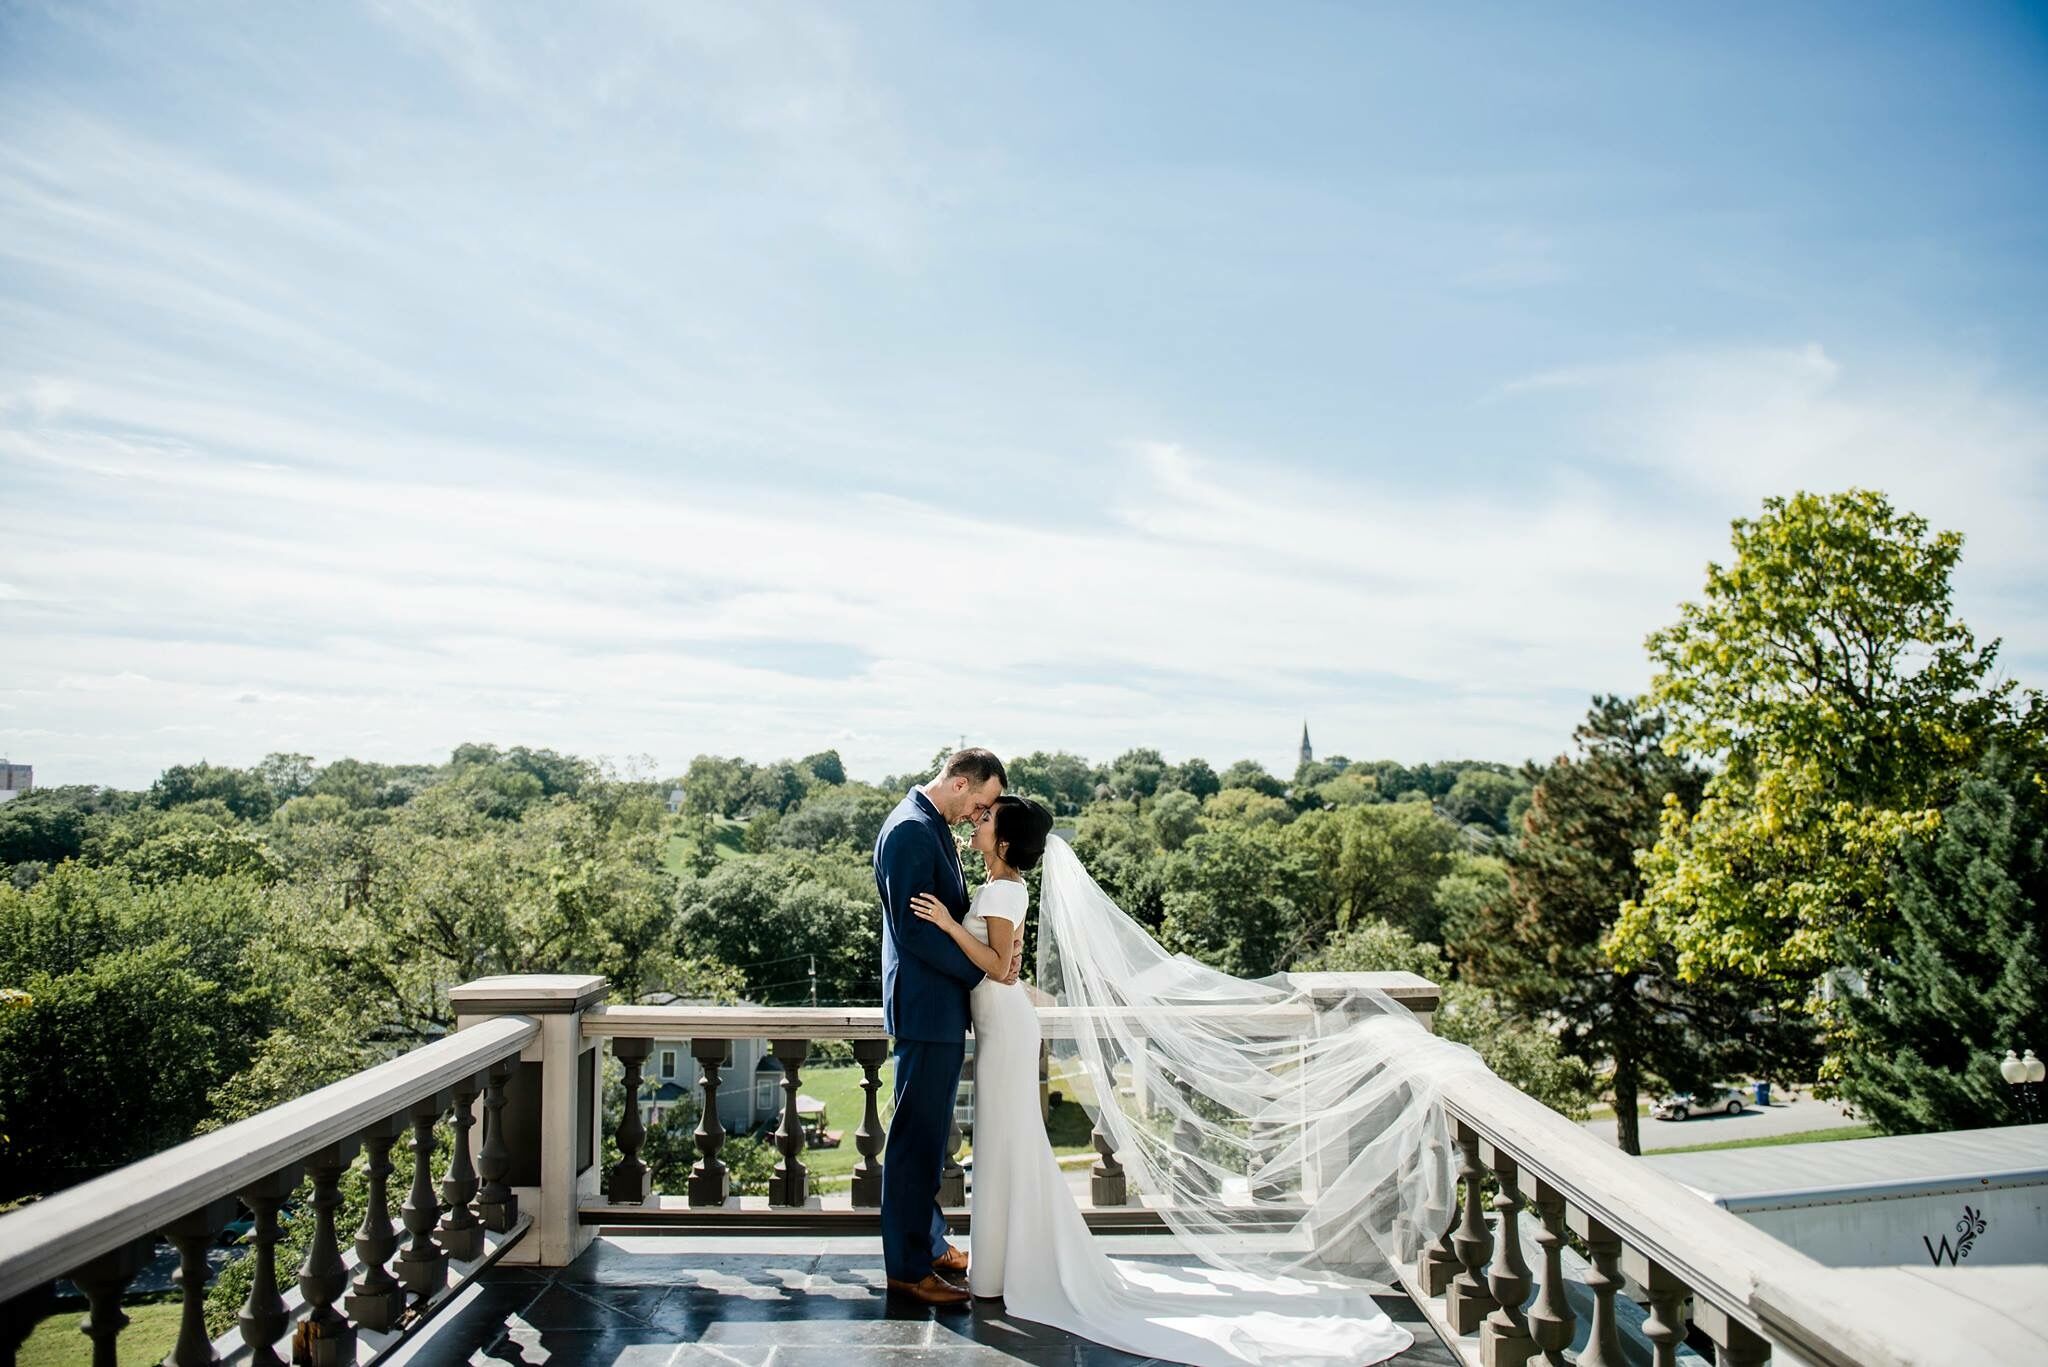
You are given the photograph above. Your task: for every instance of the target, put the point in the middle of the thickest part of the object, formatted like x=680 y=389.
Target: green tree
x=1248 y=807
x=1381 y=861
x=775 y=917
x=1482 y=797
x=1174 y=816
x=826 y=767
x=139 y=1000
x=849 y=815
x=1347 y=790
x=1963 y=978
x=1193 y=776
x=1246 y=773
x=1229 y=899
x=715 y=786
x=287 y=776
x=1065 y=782
x=1539 y=942
x=1137 y=773
x=42 y=825
x=244 y=793
x=1826 y=668
x=773 y=788
x=200 y=839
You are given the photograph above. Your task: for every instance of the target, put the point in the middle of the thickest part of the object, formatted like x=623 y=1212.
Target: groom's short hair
x=977 y=764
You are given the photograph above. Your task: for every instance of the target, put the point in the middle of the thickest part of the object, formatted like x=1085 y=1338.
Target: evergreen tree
x=1964 y=979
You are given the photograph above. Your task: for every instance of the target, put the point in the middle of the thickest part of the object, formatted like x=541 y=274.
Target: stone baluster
x=327 y=1338
x=104 y=1281
x=869 y=1138
x=1603 y=1279
x=630 y=1182
x=710 y=1183
x=496 y=1204
x=193 y=1235
x=1505 y=1341
x=264 y=1318
x=20 y=1315
x=1188 y=1166
x=1664 y=1326
x=422 y=1264
x=1440 y=1260
x=1470 y=1302
x=1735 y=1345
x=953 y=1177
x=791 y=1184
x=462 y=1233
x=1552 y=1324
x=377 y=1300
x=1106 y=1183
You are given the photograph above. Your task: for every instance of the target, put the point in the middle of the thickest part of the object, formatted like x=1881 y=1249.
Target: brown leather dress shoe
x=952 y=1260
x=933 y=1290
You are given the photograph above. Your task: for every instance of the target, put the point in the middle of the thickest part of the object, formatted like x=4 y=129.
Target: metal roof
x=1901 y=1165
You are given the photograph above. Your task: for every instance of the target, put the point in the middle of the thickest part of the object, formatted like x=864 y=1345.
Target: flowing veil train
x=1283 y=1130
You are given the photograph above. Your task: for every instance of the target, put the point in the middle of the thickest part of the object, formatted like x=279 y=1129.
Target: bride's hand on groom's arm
x=930 y=908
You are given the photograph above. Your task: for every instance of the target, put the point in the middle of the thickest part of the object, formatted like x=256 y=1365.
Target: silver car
x=1685 y=1105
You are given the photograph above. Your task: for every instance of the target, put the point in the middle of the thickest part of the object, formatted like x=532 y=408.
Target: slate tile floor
x=794 y=1301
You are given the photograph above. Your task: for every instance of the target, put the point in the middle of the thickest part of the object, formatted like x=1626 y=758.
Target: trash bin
x=1763 y=1094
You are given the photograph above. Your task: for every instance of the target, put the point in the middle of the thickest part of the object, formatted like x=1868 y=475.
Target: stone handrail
x=1749 y=1292
x=98 y=1233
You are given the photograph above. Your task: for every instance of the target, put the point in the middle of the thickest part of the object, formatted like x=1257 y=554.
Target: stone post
x=551 y=1111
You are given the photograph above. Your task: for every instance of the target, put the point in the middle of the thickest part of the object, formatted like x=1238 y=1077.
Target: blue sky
x=650 y=379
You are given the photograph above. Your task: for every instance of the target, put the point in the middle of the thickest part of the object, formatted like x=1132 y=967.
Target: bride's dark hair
x=1021 y=829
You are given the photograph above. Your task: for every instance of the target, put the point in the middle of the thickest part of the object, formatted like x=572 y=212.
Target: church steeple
x=1307 y=751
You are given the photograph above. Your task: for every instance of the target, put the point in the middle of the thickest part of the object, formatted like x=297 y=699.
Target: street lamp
x=2025 y=1075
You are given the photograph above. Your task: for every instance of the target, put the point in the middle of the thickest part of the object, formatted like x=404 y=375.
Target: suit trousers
x=914 y=1160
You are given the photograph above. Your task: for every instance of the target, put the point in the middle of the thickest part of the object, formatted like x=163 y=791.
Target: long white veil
x=1281 y=1127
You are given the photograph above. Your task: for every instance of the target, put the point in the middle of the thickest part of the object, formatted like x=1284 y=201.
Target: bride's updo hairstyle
x=1021 y=830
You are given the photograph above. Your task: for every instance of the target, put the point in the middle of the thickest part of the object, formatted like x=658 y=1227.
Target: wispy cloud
x=662 y=378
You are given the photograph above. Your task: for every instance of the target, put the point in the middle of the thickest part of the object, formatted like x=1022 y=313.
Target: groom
x=925 y=982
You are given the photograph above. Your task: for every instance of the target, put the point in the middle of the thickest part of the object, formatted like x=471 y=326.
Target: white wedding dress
x=1030 y=1245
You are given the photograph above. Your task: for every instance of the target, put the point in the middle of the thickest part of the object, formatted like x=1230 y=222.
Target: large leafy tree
x=1963 y=978
x=1249 y=773
x=1065 y=782
x=777 y=917
x=1230 y=899
x=1541 y=946
x=135 y=1001
x=1380 y=861
x=1824 y=666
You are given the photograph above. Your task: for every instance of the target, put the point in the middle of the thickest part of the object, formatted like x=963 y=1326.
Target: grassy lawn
x=56 y=1342
x=1772 y=1141
x=675 y=851
x=1603 y=1111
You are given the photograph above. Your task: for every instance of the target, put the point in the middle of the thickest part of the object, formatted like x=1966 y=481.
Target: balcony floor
x=735 y=1301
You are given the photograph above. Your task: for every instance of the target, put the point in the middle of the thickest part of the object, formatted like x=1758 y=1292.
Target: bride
x=1290 y=1140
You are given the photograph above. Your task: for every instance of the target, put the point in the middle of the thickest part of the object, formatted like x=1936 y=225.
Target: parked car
x=1685 y=1105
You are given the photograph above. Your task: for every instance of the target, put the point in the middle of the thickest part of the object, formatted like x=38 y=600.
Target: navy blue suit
x=925 y=982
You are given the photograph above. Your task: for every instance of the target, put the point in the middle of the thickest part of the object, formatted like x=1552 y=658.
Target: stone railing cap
x=1395 y=983
x=529 y=994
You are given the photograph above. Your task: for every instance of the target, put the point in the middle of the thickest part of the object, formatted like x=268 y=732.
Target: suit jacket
x=925 y=976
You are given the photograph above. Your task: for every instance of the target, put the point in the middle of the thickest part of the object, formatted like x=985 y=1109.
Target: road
x=1755 y=1122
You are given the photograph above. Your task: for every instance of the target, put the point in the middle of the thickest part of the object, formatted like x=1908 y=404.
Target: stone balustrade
x=343 y=1310
x=1562 y=1249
